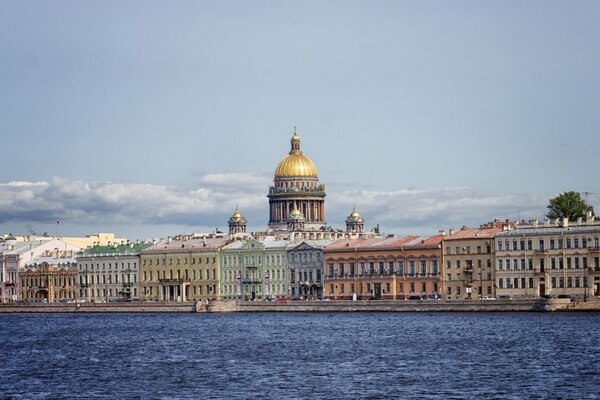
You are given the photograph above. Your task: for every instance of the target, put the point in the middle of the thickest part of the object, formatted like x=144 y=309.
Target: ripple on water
x=324 y=356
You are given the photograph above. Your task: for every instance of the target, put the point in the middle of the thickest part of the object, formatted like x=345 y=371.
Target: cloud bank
x=211 y=202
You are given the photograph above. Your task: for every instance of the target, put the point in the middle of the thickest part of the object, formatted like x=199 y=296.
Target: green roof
x=122 y=248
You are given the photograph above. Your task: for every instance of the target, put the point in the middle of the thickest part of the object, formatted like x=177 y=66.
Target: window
x=551 y=243
x=499 y=265
x=341 y=288
x=568 y=243
x=530 y=264
x=529 y=244
x=522 y=245
x=448 y=250
x=499 y=245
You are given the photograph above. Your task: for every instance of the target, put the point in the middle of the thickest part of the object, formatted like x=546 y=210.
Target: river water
x=300 y=356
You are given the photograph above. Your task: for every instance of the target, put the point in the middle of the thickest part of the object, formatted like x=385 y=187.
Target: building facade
x=108 y=273
x=468 y=263
x=305 y=264
x=383 y=268
x=296 y=186
x=49 y=279
x=554 y=258
x=254 y=269
x=185 y=268
x=16 y=255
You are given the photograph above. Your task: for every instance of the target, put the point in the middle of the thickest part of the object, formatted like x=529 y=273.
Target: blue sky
x=150 y=118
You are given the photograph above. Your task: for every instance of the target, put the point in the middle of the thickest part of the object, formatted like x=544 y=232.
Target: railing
x=250 y=265
x=541 y=251
x=173 y=280
x=318 y=189
x=251 y=280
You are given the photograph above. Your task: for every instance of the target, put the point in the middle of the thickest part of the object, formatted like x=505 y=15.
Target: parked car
x=504 y=297
x=547 y=296
x=415 y=297
x=566 y=296
x=283 y=299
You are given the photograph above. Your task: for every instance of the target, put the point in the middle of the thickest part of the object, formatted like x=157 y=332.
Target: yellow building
x=185 y=268
x=468 y=265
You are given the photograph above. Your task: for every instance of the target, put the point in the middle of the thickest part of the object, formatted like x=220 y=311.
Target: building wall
x=254 y=270
x=107 y=277
x=548 y=260
x=468 y=268
x=188 y=275
x=305 y=264
x=49 y=283
x=387 y=273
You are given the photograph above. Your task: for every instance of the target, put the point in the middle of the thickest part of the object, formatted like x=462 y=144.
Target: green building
x=254 y=269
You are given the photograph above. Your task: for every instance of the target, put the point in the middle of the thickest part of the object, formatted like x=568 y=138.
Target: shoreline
x=234 y=306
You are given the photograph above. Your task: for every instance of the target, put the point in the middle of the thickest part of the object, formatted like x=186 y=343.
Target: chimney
x=565 y=222
x=535 y=223
x=588 y=216
x=579 y=220
x=450 y=232
x=547 y=222
x=442 y=232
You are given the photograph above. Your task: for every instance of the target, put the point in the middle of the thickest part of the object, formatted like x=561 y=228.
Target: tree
x=568 y=205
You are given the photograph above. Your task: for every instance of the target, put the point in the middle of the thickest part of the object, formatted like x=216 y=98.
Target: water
x=300 y=356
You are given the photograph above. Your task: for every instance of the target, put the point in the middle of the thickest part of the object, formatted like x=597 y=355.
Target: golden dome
x=355 y=213
x=237 y=215
x=295 y=212
x=295 y=163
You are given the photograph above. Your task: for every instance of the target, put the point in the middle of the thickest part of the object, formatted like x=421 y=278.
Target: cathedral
x=296 y=199
x=297 y=202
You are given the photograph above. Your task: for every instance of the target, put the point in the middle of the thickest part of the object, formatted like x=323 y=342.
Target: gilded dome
x=295 y=163
x=237 y=215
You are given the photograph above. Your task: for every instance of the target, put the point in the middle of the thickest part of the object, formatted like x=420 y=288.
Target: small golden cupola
x=355 y=222
x=237 y=222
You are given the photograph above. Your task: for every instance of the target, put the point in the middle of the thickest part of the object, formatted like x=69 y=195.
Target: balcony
x=10 y=284
x=540 y=252
x=251 y=266
x=468 y=270
x=174 y=280
x=594 y=250
x=251 y=280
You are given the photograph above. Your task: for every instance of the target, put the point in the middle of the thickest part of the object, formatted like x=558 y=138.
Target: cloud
x=431 y=209
x=211 y=203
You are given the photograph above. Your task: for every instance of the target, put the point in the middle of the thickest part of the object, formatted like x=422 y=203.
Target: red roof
x=473 y=233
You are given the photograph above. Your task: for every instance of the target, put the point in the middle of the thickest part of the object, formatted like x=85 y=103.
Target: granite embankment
x=541 y=305
x=159 y=307
x=538 y=305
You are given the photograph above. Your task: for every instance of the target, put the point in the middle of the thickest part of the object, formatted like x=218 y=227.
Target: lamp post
x=587 y=283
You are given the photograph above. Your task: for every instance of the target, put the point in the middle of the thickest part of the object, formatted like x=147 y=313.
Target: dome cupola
x=295 y=164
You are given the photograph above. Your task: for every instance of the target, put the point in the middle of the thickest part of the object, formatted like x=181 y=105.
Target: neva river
x=304 y=356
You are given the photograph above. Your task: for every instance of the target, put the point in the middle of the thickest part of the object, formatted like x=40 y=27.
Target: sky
x=149 y=119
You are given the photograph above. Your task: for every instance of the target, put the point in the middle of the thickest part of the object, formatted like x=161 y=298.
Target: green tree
x=568 y=205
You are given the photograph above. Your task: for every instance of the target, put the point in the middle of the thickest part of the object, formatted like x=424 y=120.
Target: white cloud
x=93 y=204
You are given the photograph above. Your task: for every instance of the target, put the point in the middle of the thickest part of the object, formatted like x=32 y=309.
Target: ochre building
x=383 y=268
x=468 y=266
x=184 y=268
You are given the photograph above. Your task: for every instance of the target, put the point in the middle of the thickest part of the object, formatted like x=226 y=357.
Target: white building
x=14 y=256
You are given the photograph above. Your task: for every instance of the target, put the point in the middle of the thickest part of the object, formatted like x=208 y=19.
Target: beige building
x=50 y=279
x=468 y=262
x=108 y=273
x=554 y=258
x=185 y=268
